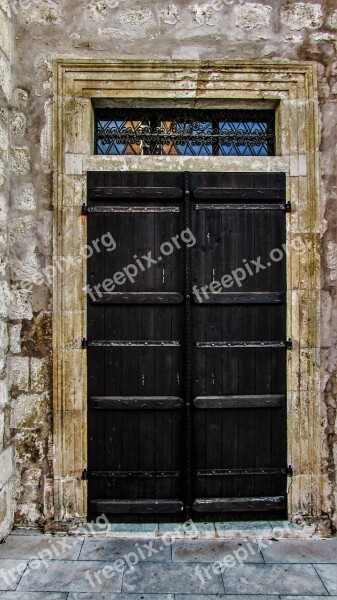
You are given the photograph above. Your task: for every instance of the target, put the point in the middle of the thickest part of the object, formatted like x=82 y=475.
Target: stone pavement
x=147 y=564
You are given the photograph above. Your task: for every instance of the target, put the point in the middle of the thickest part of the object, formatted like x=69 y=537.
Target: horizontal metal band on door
x=131 y=209
x=215 y=193
x=240 y=298
x=241 y=344
x=135 y=192
x=282 y=207
x=137 y=507
x=138 y=298
x=136 y=402
x=134 y=474
x=240 y=472
x=132 y=344
x=256 y=504
x=251 y=401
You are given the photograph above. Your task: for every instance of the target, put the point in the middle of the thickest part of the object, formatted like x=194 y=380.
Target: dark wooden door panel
x=187 y=388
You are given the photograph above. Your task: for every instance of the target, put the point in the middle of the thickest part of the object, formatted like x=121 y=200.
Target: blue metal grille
x=185 y=132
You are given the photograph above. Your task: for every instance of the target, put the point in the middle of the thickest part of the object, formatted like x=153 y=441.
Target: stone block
x=135 y=17
x=20 y=307
x=15 y=339
x=302 y=15
x=331 y=258
x=6 y=466
x=25 y=266
x=48 y=11
x=170 y=14
x=203 y=14
x=29 y=411
x=6 y=514
x=4 y=336
x=4 y=299
x=3 y=213
x=2 y=428
x=38 y=374
x=28 y=513
x=4 y=141
x=252 y=15
x=5 y=34
x=24 y=197
x=18 y=372
x=5 y=6
x=18 y=124
x=332 y=20
x=96 y=10
x=20 y=160
x=3 y=397
x=21 y=98
x=5 y=75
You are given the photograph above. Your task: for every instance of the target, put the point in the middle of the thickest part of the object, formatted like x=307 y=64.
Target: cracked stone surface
x=43 y=566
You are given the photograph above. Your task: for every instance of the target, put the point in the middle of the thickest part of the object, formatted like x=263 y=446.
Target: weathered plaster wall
x=218 y=29
x=6 y=448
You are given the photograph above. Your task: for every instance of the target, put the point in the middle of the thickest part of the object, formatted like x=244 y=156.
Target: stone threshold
x=269 y=530
x=191 y=530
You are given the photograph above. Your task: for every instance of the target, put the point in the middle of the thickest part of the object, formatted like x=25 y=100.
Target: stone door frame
x=291 y=88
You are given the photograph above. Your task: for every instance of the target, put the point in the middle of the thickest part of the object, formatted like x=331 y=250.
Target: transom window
x=185 y=132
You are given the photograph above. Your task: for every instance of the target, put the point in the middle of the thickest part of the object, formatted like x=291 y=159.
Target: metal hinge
x=289 y=344
x=288 y=207
x=84 y=344
x=84 y=475
x=290 y=471
x=84 y=210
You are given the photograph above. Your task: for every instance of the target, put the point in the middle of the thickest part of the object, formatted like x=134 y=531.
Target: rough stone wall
x=218 y=29
x=6 y=448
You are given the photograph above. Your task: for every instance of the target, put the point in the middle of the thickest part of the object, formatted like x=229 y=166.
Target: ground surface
x=143 y=566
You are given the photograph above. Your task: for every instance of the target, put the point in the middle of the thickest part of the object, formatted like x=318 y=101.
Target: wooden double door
x=186 y=346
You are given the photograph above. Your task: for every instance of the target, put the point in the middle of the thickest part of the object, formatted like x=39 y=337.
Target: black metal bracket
x=288 y=207
x=289 y=344
x=84 y=475
x=290 y=471
x=84 y=210
x=84 y=344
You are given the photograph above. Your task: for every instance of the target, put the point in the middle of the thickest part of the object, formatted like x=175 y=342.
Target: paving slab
x=93 y=596
x=223 y=597
x=33 y=595
x=171 y=578
x=118 y=548
x=43 y=547
x=300 y=597
x=273 y=579
x=10 y=573
x=244 y=529
x=301 y=551
x=328 y=574
x=72 y=576
x=215 y=550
